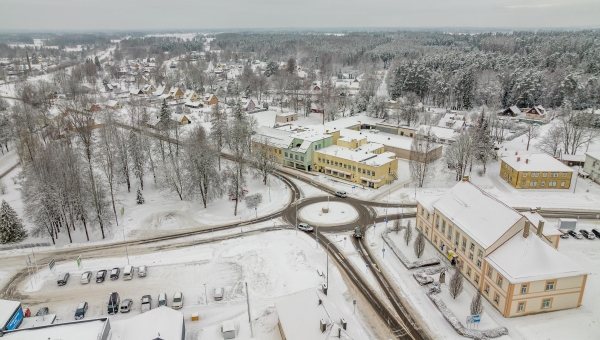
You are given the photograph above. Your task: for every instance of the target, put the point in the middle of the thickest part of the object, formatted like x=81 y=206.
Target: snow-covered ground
x=339 y=213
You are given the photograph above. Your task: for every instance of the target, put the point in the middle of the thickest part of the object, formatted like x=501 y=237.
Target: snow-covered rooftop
x=7 y=308
x=527 y=259
x=440 y=132
x=360 y=154
x=573 y=158
x=275 y=137
x=535 y=219
x=536 y=162
x=386 y=139
x=164 y=320
x=86 y=329
x=595 y=155
x=347 y=122
x=482 y=217
x=310 y=136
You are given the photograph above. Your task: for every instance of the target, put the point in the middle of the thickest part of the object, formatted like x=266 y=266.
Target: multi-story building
x=514 y=264
x=274 y=141
x=535 y=171
x=299 y=154
x=592 y=166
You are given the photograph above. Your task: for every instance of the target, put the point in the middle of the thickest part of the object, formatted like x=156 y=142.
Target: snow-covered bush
x=252 y=201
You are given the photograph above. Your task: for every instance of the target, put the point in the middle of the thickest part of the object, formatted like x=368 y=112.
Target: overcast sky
x=221 y=14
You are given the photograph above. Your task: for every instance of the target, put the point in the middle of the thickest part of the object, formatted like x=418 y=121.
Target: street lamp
x=126 y=251
x=328 y=244
x=205 y=295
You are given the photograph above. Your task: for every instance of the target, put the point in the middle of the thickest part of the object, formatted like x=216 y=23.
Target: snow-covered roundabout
x=339 y=213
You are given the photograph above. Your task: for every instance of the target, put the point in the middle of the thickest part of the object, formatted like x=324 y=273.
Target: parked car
x=305 y=226
x=357 y=232
x=219 y=292
x=100 y=276
x=42 y=311
x=146 y=303
x=142 y=271
x=86 y=277
x=80 y=311
x=564 y=233
x=126 y=306
x=587 y=234
x=162 y=300
x=177 y=300
x=114 y=301
x=596 y=232
x=575 y=234
x=340 y=193
x=114 y=273
x=62 y=279
x=128 y=273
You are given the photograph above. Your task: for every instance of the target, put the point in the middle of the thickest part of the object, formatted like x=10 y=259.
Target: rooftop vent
x=527 y=161
x=526 y=229
x=518 y=159
x=323 y=325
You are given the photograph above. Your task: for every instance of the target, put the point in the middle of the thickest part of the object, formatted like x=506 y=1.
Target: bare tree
x=219 y=131
x=456 y=284
x=201 y=164
x=477 y=304
x=531 y=131
x=107 y=157
x=459 y=154
x=576 y=129
x=551 y=142
x=263 y=161
x=419 y=244
x=408 y=232
x=409 y=108
x=421 y=156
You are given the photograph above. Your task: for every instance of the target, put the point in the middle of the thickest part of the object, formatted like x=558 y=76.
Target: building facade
x=535 y=171
x=592 y=166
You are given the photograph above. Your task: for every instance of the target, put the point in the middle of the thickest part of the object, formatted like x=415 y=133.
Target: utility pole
x=126 y=251
x=249 y=315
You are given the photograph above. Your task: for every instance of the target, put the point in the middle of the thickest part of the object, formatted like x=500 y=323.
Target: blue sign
x=383 y=250
x=317 y=239
x=476 y=318
x=367 y=265
x=16 y=320
x=354 y=186
x=358 y=250
x=386 y=221
x=255 y=208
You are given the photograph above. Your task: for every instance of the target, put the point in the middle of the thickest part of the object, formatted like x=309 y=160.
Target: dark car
x=114 y=302
x=357 y=233
x=81 y=309
x=42 y=311
x=114 y=273
x=575 y=234
x=100 y=276
x=587 y=234
x=62 y=279
x=596 y=232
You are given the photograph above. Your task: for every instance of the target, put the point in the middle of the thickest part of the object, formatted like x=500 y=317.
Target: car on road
x=126 y=305
x=86 y=277
x=142 y=271
x=177 y=300
x=575 y=234
x=341 y=193
x=42 y=311
x=218 y=294
x=80 y=311
x=304 y=226
x=596 y=232
x=162 y=300
x=114 y=301
x=62 y=279
x=357 y=233
x=100 y=276
x=587 y=234
x=146 y=303
x=114 y=273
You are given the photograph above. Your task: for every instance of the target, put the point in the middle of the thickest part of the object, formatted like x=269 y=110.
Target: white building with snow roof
x=512 y=261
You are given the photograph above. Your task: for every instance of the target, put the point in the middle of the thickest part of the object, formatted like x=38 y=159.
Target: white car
x=218 y=294
x=86 y=277
x=142 y=271
x=177 y=301
x=162 y=300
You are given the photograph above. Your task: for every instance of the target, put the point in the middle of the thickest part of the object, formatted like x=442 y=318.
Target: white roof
x=311 y=136
x=595 y=155
x=439 y=132
x=111 y=103
x=359 y=154
x=87 y=329
x=573 y=158
x=347 y=122
x=275 y=137
x=451 y=123
x=228 y=326
x=535 y=219
x=163 y=320
x=528 y=259
x=479 y=215
x=286 y=114
x=386 y=139
x=536 y=162
x=7 y=308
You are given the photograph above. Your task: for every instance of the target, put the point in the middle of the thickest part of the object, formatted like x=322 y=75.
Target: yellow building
x=515 y=265
x=273 y=141
x=357 y=161
x=535 y=171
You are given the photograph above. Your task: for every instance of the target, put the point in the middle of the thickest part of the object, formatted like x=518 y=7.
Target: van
x=113 y=303
x=128 y=273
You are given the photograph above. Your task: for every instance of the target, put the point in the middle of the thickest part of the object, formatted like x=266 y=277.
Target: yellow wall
x=354 y=143
x=381 y=172
x=272 y=151
x=516 y=178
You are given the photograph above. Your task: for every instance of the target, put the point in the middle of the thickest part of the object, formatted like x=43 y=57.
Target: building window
x=368 y=172
x=524 y=175
x=533 y=184
x=327 y=161
x=523 y=289
x=435 y=239
x=496 y=298
x=285 y=153
x=535 y=174
x=552 y=183
x=421 y=225
x=443 y=226
x=449 y=233
x=487 y=289
x=522 y=183
x=564 y=174
x=550 y=285
x=543 y=183
x=464 y=244
x=521 y=307
x=296 y=157
x=562 y=183
x=359 y=170
x=437 y=222
x=478 y=263
x=546 y=303
x=456 y=239
x=319 y=159
x=336 y=163
x=469 y=272
x=544 y=174
x=489 y=272
x=353 y=168
x=499 y=281
x=471 y=256
x=427 y=216
x=472 y=247
x=427 y=231
x=480 y=253
x=476 y=278
x=302 y=158
x=554 y=174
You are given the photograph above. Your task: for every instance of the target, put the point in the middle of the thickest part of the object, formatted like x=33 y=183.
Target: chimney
x=527 y=161
x=320 y=302
x=322 y=325
x=526 y=229
x=516 y=153
x=518 y=159
x=344 y=323
x=540 y=230
x=465 y=178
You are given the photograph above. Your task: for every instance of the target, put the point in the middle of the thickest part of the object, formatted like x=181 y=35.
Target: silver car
x=126 y=305
x=86 y=277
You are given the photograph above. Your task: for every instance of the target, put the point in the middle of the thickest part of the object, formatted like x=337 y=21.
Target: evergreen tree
x=97 y=62
x=139 y=199
x=11 y=226
x=165 y=115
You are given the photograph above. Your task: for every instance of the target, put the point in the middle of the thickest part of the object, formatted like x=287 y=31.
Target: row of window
x=457 y=241
x=543 y=183
x=296 y=157
x=346 y=166
x=544 y=174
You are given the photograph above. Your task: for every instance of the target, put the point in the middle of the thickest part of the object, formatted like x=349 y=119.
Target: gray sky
x=198 y=14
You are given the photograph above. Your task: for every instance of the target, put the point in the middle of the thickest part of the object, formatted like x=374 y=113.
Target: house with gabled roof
x=191 y=96
x=176 y=93
x=148 y=89
x=210 y=99
x=536 y=112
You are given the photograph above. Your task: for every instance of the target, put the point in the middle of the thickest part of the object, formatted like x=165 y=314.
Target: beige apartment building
x=509 y=258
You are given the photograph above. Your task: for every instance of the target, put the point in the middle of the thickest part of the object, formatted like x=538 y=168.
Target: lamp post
x=328 y=244
x=126 y=251
x=205 y=295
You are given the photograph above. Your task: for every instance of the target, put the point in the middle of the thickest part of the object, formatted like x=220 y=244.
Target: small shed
x=286 y=117
x=228 y=329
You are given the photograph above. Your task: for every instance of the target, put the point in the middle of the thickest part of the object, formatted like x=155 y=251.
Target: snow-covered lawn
x=339 y=213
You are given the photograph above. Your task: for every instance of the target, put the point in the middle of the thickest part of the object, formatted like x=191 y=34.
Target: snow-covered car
x=142 y=271
x=126 y=305
x=575 y=234
x=162 y=300
x=100 y=276
x=146 y=303
x=80 y=311
x=304 y=226
x=564 y=233
x=587 y=234
x=218 y=294
x=177 y=301
x=62 y=279
x=340 y=193
x=86 y=277
x=42 y=311
x=114 y=273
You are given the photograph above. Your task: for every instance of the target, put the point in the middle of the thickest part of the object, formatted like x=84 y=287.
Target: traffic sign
x=383 y=250
x=79 y=261
x=317 y=239
x=385 y=220
x=367 y=265
x=255 y=208
x=51 y=264
x=476 y=318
